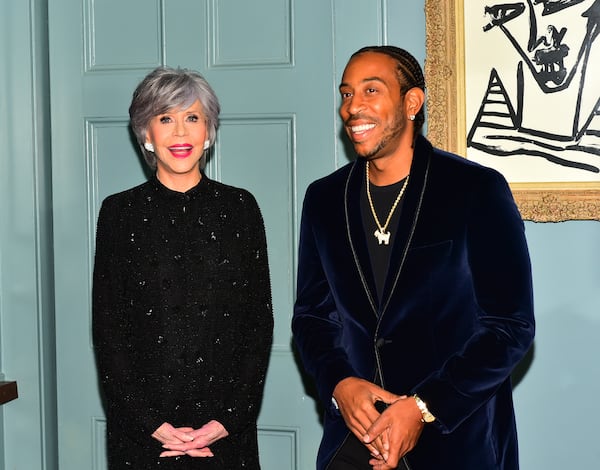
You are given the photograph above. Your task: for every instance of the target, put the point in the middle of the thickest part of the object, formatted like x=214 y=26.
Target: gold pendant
x=382 y=237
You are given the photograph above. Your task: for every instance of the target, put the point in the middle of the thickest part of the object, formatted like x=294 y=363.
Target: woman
x=182 y=317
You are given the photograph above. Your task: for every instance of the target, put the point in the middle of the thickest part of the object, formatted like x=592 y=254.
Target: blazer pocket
x=431 y=252
x=424 y=262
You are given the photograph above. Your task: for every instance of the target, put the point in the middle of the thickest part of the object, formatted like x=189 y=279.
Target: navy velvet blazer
x=455 y=317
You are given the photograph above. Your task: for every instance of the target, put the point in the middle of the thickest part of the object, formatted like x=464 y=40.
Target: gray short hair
x=167 y=88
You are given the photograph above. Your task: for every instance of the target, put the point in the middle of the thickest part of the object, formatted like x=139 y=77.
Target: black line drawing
x=498 y=128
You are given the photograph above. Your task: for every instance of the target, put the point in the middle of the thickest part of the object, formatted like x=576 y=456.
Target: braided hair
x=410 y=75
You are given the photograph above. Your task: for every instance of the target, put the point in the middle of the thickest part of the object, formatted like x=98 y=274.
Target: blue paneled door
x=271 y=63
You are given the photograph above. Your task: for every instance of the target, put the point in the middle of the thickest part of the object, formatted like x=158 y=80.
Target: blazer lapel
x=356 y=231
x=409 y=216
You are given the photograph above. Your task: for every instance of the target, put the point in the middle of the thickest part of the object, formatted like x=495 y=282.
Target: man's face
x=372 y=107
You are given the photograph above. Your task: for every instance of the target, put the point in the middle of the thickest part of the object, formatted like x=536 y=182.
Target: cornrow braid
x=410 y=74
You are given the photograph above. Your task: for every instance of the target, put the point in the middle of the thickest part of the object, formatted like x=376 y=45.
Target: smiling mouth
x=181 y=151
x=359 y=132
x=361 y=128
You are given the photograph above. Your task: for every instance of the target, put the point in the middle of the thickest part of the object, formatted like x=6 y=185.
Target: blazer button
x=382 y=342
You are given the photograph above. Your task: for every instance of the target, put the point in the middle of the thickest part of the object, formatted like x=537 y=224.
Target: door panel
x=277 y=117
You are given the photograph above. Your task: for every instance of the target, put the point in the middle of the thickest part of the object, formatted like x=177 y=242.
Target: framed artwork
x=532 y=109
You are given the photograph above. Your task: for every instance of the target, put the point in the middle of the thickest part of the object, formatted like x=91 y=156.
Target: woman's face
x=178 y=137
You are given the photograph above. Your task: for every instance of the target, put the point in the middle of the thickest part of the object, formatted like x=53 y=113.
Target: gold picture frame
x=446 y=126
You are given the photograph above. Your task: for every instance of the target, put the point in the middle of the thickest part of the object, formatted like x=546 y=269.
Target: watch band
x=426 y=415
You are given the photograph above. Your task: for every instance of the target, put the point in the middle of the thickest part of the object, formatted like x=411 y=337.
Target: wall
x=26 y=271
x=556 y=402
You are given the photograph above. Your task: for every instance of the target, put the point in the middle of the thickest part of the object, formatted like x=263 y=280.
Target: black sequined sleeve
x=123 y=394
x=241 y=407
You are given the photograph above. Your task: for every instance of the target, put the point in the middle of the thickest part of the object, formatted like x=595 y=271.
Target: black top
x=383 y=198
x=182 y=320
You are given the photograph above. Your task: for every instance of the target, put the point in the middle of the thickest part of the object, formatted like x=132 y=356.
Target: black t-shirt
x=383 y=198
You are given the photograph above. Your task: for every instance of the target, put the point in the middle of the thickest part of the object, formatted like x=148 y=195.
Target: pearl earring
x=206 y=144
x=148 y=146
x=411 y=117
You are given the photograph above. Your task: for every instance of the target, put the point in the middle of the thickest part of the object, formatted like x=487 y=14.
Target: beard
x=391 y=133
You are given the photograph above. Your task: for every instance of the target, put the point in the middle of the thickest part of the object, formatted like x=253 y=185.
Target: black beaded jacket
x=182 y=320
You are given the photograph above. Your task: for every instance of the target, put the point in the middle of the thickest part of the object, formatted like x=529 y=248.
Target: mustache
x=358 y=117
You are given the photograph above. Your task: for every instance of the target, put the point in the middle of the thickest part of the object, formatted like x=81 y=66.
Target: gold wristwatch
x=427 y=417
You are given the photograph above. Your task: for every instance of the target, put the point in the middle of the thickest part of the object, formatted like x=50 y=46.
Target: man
x=414 y=296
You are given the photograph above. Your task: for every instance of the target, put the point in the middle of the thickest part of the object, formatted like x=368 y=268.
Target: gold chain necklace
x=383 y=236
